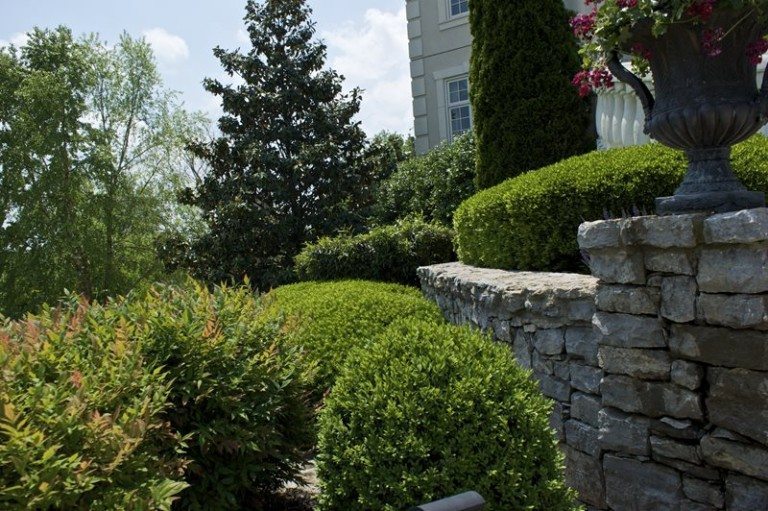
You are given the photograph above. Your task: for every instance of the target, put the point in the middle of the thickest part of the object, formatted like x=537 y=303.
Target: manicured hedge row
x=530 y=222
x=328 y=320
x=427 y=411
x=389 y=254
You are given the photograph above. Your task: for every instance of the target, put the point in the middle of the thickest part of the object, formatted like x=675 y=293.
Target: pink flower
x=755 y=50
x=710 y=41
x=627 y=4
x=701 y=9
x=586 y=81
x=640 y=50
x=583 y=25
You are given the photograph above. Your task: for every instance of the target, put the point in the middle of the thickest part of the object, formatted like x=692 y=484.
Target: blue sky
x=367 y=42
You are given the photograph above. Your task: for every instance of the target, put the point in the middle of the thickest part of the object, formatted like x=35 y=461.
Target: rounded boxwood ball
x=428 y=411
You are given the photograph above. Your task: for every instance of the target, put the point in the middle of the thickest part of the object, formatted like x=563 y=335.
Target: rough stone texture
x=720 y=346
x=628 y=331
x=553 y=387
x=745 y=494
x=643 y=364
x=585 y=407
x=582 y=437
x=668 y=448
x=738 y=400
x=749 y=459
x=663 y=231
x=522 y=349
x=653 y=399
x=618 y=267
x=687 y=374
x=623 y=432
x=745 y=226
x=600 y=234
x=678 y=299
x=632 y=485
x=584 y=474
x=734 y=269
x=676 y=428
x=703 y=491
x=556 y=420
x=628 y=299
x=679 y=262
x=549 y=342
x=735 y=311
x=586 y=378
x=581 y=342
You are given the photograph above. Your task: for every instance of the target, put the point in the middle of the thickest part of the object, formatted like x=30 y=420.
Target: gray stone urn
x=703 y=105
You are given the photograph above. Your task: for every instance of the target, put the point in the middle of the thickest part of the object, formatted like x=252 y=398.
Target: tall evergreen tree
x=526 y=112
x=288 y=166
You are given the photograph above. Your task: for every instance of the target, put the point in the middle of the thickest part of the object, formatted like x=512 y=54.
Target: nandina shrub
x=390 y=253
x=236 y=393
x=329 y=319
x=427 y=411
x=82 y=415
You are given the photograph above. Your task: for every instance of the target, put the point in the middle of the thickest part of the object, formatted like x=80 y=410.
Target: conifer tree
x=288 y=165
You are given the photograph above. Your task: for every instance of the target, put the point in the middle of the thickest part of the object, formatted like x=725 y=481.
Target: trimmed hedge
x=530 y=222
x=526 y=112
x=428 y=411
x=329 y=319
x=390 y=253
x=432 y=185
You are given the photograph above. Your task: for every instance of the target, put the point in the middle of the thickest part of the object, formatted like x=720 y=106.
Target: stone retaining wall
x=659 y=370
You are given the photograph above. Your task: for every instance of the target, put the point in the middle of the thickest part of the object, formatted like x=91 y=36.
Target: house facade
x=440 y=45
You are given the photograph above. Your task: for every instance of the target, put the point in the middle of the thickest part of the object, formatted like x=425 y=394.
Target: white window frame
x=451 y=105
x=449 y=10
x=446 y=20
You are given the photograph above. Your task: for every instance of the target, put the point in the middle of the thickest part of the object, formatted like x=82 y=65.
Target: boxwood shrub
x=529 y=222
x=82 y=422
x=390 y=253
x=427 y=411
x=329 y=319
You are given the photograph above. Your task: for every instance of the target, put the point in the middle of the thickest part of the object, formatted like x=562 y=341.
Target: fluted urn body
x=703 y=104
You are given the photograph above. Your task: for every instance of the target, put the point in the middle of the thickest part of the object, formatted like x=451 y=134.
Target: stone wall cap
x=745 y=226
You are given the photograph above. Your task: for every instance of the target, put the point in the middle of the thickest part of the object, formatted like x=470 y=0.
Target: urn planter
x=703 y=105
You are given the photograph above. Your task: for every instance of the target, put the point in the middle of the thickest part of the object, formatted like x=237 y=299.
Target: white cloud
x=168 y=47
x=18 y=39
x=373 y=54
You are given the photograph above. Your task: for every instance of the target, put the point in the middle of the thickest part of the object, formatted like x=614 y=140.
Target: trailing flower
x=608 y=28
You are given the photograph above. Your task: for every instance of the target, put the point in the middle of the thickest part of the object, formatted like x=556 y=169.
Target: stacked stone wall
x=659 y=368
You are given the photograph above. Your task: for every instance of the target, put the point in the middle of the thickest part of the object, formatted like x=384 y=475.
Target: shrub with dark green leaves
x=389 y=254
x=237 y=393
x=526 y=112
x=328 y=320
x=428 y=411
x=530 y=222
x=82 y=416
x=432 y=185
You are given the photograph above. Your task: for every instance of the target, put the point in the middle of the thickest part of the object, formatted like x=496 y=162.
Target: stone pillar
x=682 y=330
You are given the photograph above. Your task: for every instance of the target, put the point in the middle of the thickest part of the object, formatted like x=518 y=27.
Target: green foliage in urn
x=429 y=411
x=328 y=320
x=289 y=165
x=526 y=113
x=390 y=253
x=530 y=222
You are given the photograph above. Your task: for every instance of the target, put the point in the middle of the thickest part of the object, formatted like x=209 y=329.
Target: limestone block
x=628 y=331
x=552 y=387
x=549 y=342
x=625 y=266
x=703 y=491
x=562 y=369
x=673 y=231
x=735 y=311
x=687 y=374
x=699 y=471
x=653 y=399
x=586 y=378
x=745 y=494
x=679 y=262
x=678 y=299
x=640 y=363
x=584 y=474
x=582 y=436
x=503 y=331
x=720 y=346
x=623 y=433
x=749 y=459
x=675 y=449
x=745 y=226
x=632 y=485
x=627 y=299
x=522 y=349
x=676 y=428
x=734 y=269
x=599 y=234
x=581 y=342
x=738 y=400
x=585 y=407
x=542 y=364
